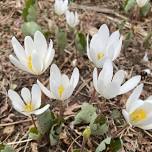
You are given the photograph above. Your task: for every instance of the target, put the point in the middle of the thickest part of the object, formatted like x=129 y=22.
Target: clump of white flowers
x=61 y=87
x=29 y=102
x=72 y=19
x=142 y=3
x=36 y=57
x=60 y=6
x=110 y=86
x=103 y=46
x=138 y=112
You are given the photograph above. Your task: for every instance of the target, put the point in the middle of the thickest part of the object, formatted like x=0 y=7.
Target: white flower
x=30 y=101
x=142 y=3
x=61 y=6
x=138 y=112
x=103 y=45
x=72 y=19
x=61 y=88
x=36 y=57
x=110 y=86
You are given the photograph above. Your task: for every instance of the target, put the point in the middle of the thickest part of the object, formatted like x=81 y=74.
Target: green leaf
x=129 y=4
x=128 y=39
x=85 y=115
x=80 y=42
x=29 y=28
x=26 y=11
x=55 y=131
x=103 y=145
x=34 y=134
x=32 y=14
x=115 y=145
x=45 y=121
x=6 y=148
x=145 y=9
x=98 y=125
x=61 y=39
x=112 y=144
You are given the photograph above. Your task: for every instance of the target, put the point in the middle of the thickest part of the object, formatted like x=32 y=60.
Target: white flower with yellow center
x=103 y=45
x=142 y=3
x=109 y=86
x=60 y=6
x=29 y=102
x=138 y=112
x=37 y=55
x=61 y=87
x=72 y=19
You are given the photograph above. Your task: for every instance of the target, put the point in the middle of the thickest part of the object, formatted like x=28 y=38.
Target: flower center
x=29 y=62
x=60 y=90
x=100 y=56
x=29 y=107
x=138 y=115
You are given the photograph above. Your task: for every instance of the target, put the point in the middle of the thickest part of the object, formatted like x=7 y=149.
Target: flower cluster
x=61 y=7
x=37 y=55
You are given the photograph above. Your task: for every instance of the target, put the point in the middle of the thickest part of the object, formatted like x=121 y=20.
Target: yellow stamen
x=138 y=115
x=29 y=62
x=60 y=90
x=28 y=107
x=100 y=56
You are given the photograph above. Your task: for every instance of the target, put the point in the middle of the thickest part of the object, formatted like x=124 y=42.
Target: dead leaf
x=9 y=129
x=70 y=109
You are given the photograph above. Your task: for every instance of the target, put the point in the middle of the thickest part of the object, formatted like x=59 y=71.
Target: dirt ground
x=14 y=126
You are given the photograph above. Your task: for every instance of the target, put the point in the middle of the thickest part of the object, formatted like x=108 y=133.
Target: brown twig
x=15 y=123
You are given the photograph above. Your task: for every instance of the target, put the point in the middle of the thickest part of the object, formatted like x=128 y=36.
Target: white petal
x=65 y=81
x=37 y=63
x=55 y=75
x=29 y=45
x=40 y=43
x=36 y=96
x=118 y=49
x=104 y=30
x=17 y=102
x=42 y=110
x=50 y=55
x=100 y=39
x=126 y=115
x=111 y=90
x=75 y=77
x=88 y=48
x=26 y=95
x=44 y=89
x=67 y=93
x=134 y=105
x=107 y=72
x=19 y=50
x=147 y=127
x=119 y=77
x=141 y=3
x=130 y=84
x=134 y=96
x=18 y=64
x=95 y=78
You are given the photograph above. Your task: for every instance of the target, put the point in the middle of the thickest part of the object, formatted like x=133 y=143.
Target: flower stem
x=93 y=95
x=83 y=145
x=33 y=121
x=61 y=108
